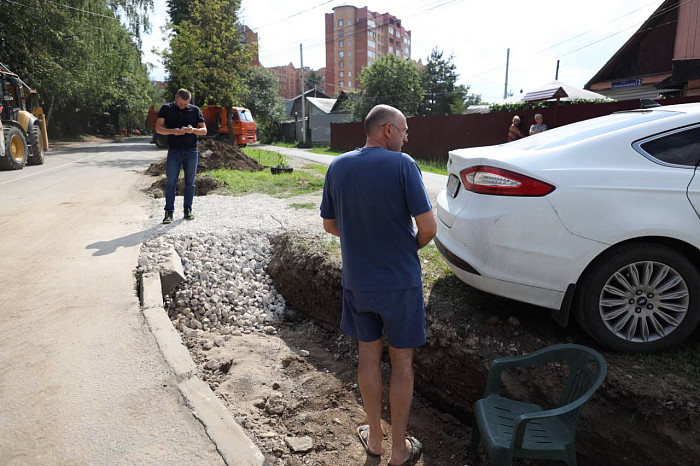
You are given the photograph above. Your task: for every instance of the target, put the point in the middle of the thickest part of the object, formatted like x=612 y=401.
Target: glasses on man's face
x=404 y=131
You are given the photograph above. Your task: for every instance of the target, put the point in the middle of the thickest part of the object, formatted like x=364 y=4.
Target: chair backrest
x=587 y=370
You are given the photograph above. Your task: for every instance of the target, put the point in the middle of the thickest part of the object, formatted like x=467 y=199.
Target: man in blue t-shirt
x=370 y=199
x=183 y=123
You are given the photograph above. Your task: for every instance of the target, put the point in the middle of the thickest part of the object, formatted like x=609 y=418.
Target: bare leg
x=370 y=380
x=400 y=397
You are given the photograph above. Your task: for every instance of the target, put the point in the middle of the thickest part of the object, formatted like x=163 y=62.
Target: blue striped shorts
x=399 y=313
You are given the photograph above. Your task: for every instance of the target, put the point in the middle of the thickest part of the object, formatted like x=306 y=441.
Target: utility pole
x=303 y=105
x=505 y=89
x=556 y=76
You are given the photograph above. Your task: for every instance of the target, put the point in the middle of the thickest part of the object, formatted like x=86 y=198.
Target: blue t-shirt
x=176 y=118
x=373 y=193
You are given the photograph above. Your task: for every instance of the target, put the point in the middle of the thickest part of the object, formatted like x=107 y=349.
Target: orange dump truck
x=244 y=127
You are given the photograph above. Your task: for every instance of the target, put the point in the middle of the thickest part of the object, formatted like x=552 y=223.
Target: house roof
x=552 y=90
x=325 y=105
x=611 y=69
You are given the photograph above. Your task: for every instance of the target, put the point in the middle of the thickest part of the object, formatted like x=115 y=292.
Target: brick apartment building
x=288 y=80
x=249 y=38
x=355 y=37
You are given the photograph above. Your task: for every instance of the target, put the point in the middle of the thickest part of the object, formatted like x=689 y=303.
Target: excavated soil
x=213 y=155
x=297 y=388
x=642 y=414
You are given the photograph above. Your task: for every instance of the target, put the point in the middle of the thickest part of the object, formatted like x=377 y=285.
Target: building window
x=369 y=62
x=371 y=54
x=349 y=43
x=407 y=41
x=341 y=54
x=391 y=31
x=349 y=83
x=372 y=34
x=340 y=84
x=341 y=33
x=349 y=53
x=340 y=22
x=398 y=52
x=391 y=50
x=340 y=43
x=371 y=24
x=371 y=43
x=398 y=33
x=349 y=73
x=340 y=64
x=408 y=50
x=340 y=74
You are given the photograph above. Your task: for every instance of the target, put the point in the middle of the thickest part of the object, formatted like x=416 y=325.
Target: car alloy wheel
x=644 y=301
x=640 y=297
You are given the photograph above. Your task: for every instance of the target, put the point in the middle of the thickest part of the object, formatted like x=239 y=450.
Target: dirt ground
x=301 y=384
x=275 y=394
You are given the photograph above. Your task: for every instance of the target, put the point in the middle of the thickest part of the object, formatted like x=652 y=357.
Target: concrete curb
x=231 y=442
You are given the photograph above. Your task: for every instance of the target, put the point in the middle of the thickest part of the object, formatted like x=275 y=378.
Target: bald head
x=379 y=116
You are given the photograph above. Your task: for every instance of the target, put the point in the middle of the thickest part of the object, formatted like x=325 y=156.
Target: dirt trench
x=638 y=416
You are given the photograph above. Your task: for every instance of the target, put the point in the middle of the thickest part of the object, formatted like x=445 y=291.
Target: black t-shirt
x=176 y=118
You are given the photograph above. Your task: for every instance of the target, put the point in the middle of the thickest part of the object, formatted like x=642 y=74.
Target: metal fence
x=431 y=138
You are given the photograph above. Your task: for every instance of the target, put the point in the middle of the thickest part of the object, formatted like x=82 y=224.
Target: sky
x=583 y=36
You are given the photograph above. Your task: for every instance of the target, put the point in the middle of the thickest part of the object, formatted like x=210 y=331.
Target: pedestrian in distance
x=371 y=197
x=539 y=126
x=514 y=132
x=182 y=123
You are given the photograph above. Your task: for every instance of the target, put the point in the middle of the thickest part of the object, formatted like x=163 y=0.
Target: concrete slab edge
x=230 y=439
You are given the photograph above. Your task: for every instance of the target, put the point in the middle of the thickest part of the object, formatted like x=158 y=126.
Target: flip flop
x=363 y=434
x=415 y=452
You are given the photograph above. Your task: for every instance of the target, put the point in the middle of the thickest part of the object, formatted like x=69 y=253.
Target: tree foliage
x=207 y=56
x=392 y=81
x=81 y=59
x=439 y=80
x=263 y=100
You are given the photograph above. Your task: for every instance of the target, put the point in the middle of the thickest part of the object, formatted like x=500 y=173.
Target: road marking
x=48 y=170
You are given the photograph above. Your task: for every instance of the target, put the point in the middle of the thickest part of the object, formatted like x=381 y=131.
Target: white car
x=598 y=219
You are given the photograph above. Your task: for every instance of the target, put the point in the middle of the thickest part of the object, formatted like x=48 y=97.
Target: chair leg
x=571 y=454
x=476 y=437
x=501 y=457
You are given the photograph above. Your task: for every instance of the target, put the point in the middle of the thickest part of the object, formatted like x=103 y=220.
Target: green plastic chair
x=517 y=429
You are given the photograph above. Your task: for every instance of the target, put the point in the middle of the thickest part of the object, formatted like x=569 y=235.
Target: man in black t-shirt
x=182 y=123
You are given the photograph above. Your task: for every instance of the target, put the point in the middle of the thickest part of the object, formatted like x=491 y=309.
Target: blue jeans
x=187 y=159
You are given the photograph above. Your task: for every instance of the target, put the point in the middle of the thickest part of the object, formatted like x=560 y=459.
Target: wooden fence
x=431 y=138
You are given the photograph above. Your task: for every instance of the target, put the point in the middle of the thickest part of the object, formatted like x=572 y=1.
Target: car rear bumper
x=516 y=248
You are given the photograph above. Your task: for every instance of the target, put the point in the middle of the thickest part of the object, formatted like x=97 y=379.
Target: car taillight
x=500 y=182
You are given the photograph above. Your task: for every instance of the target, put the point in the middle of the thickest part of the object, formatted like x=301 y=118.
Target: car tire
x=35 y=142
x=161 y=141
x=16 y=149
x=641 y=297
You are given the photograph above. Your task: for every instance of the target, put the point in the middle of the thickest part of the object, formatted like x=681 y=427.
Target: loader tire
x=16 y=149
x=35 y=142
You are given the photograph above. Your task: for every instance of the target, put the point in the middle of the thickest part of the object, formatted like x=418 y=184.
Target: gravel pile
x=225 y=252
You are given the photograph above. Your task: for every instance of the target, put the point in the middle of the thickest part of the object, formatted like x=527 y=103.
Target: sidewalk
x=434 y=183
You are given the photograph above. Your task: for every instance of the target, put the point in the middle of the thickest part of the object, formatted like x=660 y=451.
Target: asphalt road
x=82 y=380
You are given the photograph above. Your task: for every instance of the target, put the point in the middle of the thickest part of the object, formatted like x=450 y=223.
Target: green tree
x=439 y=81
x=392 y=81
x=264 y=101
x=76 y=56
x=312 y=80
x=207 y=56
x=460 y=106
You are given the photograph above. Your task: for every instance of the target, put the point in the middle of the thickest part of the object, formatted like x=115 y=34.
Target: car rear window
x=587 y=129
x=678 y=148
